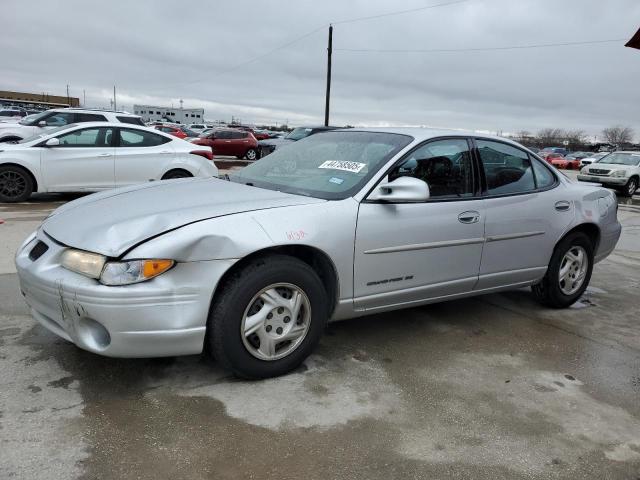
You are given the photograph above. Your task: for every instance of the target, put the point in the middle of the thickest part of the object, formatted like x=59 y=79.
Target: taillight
x=208 y=154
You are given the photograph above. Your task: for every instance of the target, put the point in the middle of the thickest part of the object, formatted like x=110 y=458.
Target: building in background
x=151 y=113
x=36 y=101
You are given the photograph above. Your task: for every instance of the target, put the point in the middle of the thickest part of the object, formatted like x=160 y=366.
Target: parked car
x=268 y=146
x=368 y=221
x=95 y=156
x=593 y=158
x=177 y=131
x=568 y=162
x=11 y=115
x=200 y=127
x=617 y=170
x=230 y=142
x=59 y=117
x=550 y=157
x=561 y=150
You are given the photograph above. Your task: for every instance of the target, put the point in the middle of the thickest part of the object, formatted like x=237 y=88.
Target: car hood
x=277 y=142
x=114 y=221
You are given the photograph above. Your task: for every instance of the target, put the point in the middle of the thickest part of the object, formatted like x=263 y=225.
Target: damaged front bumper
x=165 y=316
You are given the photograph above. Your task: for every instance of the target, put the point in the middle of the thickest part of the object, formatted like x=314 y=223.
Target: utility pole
x=84 y=98
x=68 y=99
x=328 y=96
x=115 y=105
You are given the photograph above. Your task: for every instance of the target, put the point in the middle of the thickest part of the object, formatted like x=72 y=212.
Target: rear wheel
x=251 y=154
x=568 y=274
x=630 y=188
x=15 y=184
x=267 y=318
x=171 y=174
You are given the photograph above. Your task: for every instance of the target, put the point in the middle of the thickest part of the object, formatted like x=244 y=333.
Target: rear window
x=131 y=120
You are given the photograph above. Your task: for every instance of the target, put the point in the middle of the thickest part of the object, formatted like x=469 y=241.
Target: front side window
x=140 y=138
x=445 y=165
x=88 y=137
x=507 y=169
x=332 y=165
x=59 y=119
x=298 y=133
x=223 y=134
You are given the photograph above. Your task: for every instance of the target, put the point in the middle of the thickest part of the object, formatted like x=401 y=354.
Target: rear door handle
x=104 y=154
x=562 y=206
x=469 y=217
x=165 y=152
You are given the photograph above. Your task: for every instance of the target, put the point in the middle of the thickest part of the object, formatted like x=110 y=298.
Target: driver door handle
x=469 y=217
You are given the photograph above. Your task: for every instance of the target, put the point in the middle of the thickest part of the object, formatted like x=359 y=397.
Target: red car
x=550 y=157
x=563 y=162
x=177 y=131
x=236 y=143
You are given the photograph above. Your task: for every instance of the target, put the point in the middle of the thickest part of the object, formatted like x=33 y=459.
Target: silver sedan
x=338 y=225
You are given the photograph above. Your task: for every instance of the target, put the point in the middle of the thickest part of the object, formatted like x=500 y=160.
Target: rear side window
x=544 y=177
x=140 y=138
x=89 y=117
x=223 y=134
x=506 y=168
x=59 y=119
x=131 y=120
x=237 y=135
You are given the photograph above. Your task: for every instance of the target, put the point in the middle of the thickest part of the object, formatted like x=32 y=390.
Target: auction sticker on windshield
x=353 y=167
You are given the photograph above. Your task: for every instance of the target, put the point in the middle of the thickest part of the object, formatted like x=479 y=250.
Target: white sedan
x=96 y=156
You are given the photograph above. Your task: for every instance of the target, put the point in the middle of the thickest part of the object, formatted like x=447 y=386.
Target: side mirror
x=402 y=189
x=52 y=142
x=42 y=123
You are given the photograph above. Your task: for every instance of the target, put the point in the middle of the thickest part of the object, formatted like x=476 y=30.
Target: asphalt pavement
x=493 y=387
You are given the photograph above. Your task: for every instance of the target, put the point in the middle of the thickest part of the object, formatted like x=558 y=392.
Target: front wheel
x=15 y=184
x=251 y=154
x=267 y=318
x=630 y=188
x=568 y=274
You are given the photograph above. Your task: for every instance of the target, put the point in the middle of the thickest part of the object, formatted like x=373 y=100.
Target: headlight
x=619 y=173
x=133 y=271
x=86 y=263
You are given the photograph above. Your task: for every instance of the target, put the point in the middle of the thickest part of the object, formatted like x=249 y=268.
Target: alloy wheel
x=276 y=321
x=12 y=184
x=632 y=186
x=573 y=270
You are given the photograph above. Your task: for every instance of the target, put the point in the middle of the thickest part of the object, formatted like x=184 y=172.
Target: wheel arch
x=11 y=138
x=26 y=169
x=176 y=169
x=591 y=230
x=312 y=256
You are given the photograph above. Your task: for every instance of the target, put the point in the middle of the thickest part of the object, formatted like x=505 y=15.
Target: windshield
x=299 y=133
x=33 y=120
x=630 y=159
x=48 y=133
x=332 y=165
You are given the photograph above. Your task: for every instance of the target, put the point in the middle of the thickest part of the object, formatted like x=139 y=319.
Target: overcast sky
x=159 y=51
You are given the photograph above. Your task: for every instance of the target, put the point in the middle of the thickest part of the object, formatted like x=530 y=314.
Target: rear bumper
x=609 y=236
x=165 y=316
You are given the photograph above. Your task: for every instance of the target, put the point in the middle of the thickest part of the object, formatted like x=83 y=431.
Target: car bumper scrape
x=165 y=316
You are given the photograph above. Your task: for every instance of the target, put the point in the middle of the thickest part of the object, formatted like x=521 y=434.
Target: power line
x=399 y=12
x=480 y=49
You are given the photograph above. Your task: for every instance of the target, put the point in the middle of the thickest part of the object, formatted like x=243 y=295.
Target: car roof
x=421 y=134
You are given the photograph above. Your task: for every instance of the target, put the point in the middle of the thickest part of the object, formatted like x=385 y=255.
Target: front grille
x=38 y=250
x=596 y=171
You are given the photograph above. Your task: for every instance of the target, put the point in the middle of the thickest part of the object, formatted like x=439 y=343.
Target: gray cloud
x=159 y=51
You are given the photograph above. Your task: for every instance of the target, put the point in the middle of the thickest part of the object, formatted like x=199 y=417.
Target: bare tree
x=549 y=136
x=618 y=134
x=575 y=137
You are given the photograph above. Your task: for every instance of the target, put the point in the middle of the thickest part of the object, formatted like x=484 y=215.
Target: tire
x=16 y=184
x=244 y=354
x=556 y=293
x=251 y=154
x=171 y=174
x=630 y=188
